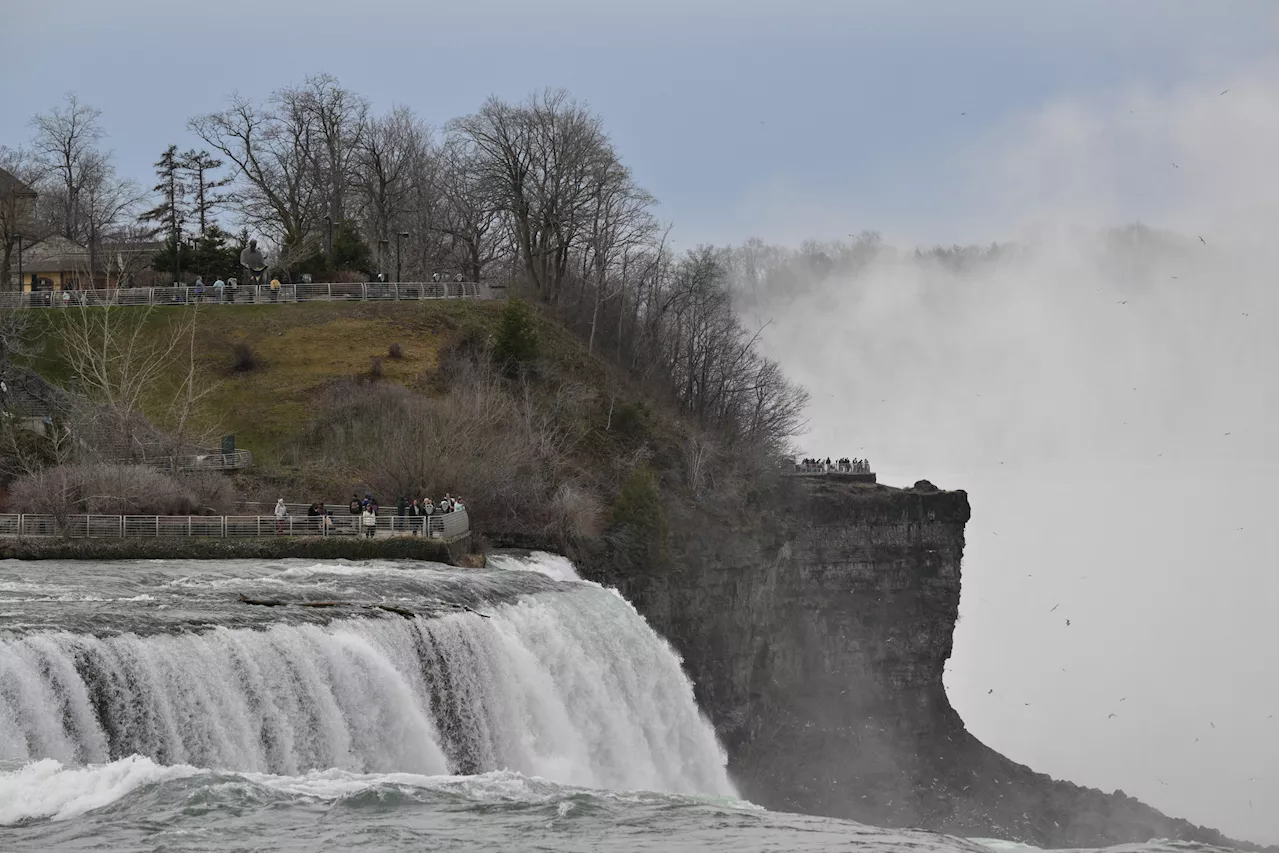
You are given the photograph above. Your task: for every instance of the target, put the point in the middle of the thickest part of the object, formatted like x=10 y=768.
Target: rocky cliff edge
x=816 y=640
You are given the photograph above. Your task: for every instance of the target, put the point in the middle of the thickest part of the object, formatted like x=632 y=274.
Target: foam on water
x=553 y=566
x=47 y=789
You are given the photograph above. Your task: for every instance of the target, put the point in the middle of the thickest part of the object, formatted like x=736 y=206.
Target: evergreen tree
x=203 y=187
x=168 y=214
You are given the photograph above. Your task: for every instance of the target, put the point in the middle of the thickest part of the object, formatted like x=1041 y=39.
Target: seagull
x=1212 y=726
x=1174 y=277
x=1055 y=607
x=992 y=690
x=1226 y=433
x=1109 y=716
x=1175 y=165
x=1162 y=782
x=1068 y=623
x=964 y=114
x=1125 y=302
x=1223 y=92
x=1123 y=698
x=1202 y=240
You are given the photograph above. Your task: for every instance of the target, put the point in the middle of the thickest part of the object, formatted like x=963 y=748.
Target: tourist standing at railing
x=233 y=285
x=275 y=288
x=369 y=519
x=281 y=512
x=219 y=287
x=401 y=506
x=199 y=289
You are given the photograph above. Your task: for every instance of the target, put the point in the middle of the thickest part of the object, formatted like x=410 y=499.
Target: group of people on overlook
x=364 y=512
x=840 y=466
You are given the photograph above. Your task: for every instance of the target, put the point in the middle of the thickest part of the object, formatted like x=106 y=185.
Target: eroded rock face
x=817 y=640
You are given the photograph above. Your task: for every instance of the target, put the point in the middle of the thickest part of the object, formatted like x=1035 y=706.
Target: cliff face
x=817 y=642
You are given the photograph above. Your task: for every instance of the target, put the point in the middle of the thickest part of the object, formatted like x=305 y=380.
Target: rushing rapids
x=562 y=681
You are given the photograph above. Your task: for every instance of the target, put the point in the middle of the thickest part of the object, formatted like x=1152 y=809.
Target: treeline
x=533 y=194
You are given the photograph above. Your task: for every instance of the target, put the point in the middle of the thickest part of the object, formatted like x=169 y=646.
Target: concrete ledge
x=195 y=548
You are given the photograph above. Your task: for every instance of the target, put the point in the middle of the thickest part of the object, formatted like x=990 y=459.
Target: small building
x=57 y=263
x=17 y=206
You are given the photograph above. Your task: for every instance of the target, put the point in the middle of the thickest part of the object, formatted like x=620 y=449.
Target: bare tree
x=469 y=213
x=120 y=358
x=66 y=143
x=270 y=148
x=538 y=160
x=393 y=163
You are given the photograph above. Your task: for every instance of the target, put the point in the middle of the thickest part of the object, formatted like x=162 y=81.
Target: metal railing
x=833 y=468
x=245 y=294
x=211 y=461
x=444 y=526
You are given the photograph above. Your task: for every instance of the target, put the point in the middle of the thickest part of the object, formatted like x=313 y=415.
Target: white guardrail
x=244 y=294
x=445 y=525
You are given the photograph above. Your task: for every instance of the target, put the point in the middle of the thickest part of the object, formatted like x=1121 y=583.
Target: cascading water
x=569 y=684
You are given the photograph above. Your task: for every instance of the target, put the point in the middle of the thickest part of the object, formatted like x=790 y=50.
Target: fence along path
x=446 y=526
x=247 y=294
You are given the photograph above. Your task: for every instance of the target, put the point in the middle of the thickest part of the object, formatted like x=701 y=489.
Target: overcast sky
x=929 y=122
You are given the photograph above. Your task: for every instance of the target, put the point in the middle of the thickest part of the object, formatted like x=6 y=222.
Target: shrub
x=639 y=518
x=505 y=456
x=211 y=492
x=109 y=489
x=375 y=368
x=517 y=340
x=395 y=351
x=243 y=358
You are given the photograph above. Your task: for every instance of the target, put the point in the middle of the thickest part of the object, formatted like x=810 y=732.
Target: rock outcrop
x=817 y=641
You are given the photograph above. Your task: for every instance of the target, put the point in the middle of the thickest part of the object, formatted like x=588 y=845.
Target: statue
x=254 y=261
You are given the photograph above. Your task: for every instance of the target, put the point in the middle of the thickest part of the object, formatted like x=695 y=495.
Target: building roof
x=10 y=185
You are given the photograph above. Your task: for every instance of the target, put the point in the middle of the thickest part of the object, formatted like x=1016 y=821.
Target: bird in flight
x=1223 y=92
x=992 y=690
x=1202 y=240
x=1125 y=302
x=1068 y=623
x=1109 y=716
x=1055 y=607
x=1175 y=165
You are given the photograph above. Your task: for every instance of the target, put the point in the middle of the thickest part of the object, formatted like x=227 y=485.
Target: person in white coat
x=281 y=512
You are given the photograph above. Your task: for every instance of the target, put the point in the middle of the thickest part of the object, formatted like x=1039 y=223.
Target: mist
x=1104 y=386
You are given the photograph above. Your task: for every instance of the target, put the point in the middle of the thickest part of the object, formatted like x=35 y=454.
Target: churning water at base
x=144 y=706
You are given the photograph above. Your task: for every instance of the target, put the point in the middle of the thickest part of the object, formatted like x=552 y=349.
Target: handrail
x=245 y=294
x=445 y=526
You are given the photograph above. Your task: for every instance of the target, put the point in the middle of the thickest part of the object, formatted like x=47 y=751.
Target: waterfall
x=571 y=686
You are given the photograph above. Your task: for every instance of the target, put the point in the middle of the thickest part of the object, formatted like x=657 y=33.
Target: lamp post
x=328 y=241
x=399 y=237
x=382 y=258
x=177 y=255
x=19 y=263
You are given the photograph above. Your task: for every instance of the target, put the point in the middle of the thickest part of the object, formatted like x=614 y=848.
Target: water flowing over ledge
x=570 y=685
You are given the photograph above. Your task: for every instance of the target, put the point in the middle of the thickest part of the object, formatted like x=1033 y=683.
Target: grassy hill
x=301 y=350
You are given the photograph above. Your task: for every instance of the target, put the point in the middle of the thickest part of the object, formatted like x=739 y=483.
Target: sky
x=1091 y=436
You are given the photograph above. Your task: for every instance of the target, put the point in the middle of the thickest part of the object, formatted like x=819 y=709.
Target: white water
x=572 y=687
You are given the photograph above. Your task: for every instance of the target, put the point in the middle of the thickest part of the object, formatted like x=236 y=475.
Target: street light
x=19 y=263
x=177 y=254
x=399 y=237
x=328 y=242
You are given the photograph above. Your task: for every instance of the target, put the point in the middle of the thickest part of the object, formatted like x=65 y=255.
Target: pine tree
x=203 y=187
x=168 y=214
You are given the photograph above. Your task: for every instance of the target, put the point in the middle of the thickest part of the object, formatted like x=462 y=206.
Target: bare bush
x=243 y=358
x=211 y=491
x=505 y=454
x=105 y=489
x=375 y=368
x=395 y=351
